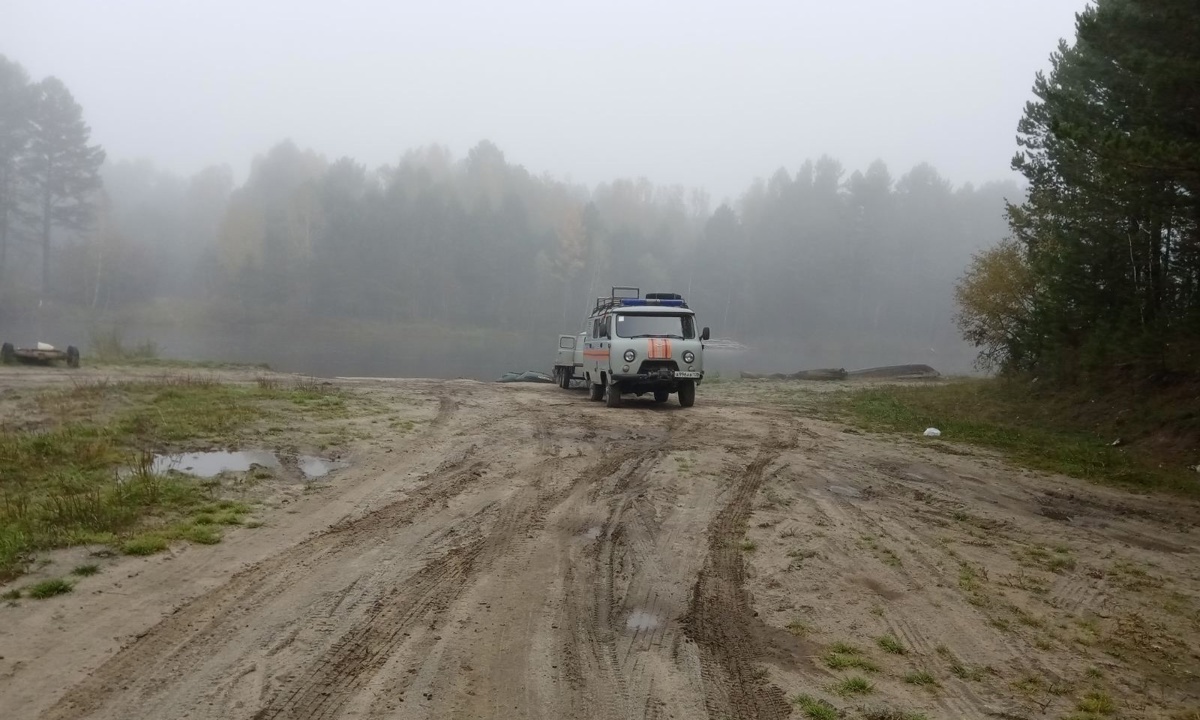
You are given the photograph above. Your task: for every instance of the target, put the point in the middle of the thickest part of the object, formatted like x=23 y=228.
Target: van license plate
x=681 y=375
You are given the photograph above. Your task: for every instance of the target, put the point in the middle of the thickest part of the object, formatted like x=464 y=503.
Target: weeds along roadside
x=1140 y=439
x=76 y=464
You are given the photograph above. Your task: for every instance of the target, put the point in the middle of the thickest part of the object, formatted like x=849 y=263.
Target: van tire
x=687 y=393
x=661 y=396
x=612 y=396
x=595 y=391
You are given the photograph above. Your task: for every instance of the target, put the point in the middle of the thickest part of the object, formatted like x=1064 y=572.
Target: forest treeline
x=815 y=256
x=1092 y=270
x=1100 y=277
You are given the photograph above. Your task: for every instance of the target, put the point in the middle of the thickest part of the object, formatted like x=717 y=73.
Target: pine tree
x=62 y=167
x=15 y=127
x=1110 y=230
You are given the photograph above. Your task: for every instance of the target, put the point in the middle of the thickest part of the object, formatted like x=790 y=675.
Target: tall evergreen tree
x=15 y=127
x=1110 y=231
x=62 y=167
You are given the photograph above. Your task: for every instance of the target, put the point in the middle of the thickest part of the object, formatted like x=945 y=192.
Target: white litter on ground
x=932 y=432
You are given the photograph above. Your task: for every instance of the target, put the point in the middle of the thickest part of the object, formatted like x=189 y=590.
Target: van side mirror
x=704 y=334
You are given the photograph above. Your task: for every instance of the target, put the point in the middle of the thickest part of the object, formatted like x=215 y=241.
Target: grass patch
x=799 y=628
x=86 y=570
x=749 y=545
x=201 y=534
x=855 y=685
x=969 y=577
x=1097 y=703
x=967 y=672
x=14 y=594
x=892 y=645
x=843 y=656
x=921 y=678
x=892 y=714
x=83 y=474
x=838 y=661
x=1068 y=432
x=145 y=545
x=50 y=588
x=816 y=708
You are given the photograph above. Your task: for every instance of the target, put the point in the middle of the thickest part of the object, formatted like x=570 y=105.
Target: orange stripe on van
x=660 y=349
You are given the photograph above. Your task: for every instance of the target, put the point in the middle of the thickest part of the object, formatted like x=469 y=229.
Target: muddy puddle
x=213 y=463
x=642 y=620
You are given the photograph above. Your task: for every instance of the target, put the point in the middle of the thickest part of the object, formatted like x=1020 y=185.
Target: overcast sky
x=695 y=93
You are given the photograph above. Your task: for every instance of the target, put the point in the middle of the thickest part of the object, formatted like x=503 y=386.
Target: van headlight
x=689 y=357
x=630 y=356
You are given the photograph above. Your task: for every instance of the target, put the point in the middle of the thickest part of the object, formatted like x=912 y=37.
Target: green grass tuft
x=1098 y=703
x=855 y=685
x=201 y=534
x=144 y=545
x=892 y=645
x=815 y=708
x=840 y=661
x=892 y=714
x=86 y=570
x=965 y=672
x=920 y=677
x=50 y=588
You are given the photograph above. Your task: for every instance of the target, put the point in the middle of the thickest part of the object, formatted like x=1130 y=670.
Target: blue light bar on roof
x=636 y=302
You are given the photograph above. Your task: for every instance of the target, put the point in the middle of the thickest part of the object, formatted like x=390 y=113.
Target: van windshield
x=682 y=327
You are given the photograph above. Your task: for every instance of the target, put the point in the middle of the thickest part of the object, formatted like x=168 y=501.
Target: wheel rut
x=185 y=639
x=719 y=617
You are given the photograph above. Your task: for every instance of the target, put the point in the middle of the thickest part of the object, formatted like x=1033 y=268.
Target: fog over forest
x=469 y=262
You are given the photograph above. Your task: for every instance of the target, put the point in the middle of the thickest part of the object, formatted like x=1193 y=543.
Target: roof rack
x=614 y=300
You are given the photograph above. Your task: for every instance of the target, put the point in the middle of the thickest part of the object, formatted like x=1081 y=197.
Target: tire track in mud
x=719 y=617
x=337 y=675
x=183 y=640
x=593 y=657
x=424 y=600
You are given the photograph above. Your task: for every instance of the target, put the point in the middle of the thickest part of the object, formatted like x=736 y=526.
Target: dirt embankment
x=528 y=554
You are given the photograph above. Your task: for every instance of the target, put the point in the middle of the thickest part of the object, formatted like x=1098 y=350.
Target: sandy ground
x=525 y=553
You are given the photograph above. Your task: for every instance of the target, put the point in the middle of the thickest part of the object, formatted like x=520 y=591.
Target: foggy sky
x=694 y=93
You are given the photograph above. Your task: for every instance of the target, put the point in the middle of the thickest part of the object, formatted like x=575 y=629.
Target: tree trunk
x=46 y=241
x=99 y=273
x=3 y=242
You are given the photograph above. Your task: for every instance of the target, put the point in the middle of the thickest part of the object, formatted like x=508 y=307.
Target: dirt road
x=528 y=554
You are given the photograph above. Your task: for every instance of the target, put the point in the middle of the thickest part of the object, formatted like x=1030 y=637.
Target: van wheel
x=8 y=354
x=72 y=356
x=660 y=396
x=612 y=396
x=595 y=391
x=687 y=393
